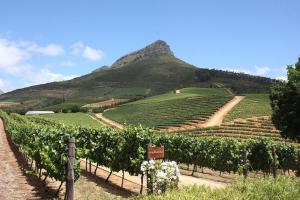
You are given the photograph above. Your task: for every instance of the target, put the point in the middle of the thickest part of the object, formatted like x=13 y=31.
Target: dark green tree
x=285 y=102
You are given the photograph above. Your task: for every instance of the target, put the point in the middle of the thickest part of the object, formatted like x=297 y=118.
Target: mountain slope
x=148 y=71
x=1 y=92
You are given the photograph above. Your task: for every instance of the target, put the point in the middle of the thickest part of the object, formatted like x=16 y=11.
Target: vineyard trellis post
x=246 y=164
x=70 y=172
x=298 y=167
x=274 y=163
x=149 y=176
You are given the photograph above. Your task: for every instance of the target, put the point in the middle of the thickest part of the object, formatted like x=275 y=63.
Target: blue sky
x=42 y=41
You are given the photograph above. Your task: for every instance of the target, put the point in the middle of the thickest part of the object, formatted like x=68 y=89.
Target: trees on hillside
x=285 y=102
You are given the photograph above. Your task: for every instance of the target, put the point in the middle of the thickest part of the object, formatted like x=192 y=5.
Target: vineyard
x=254 y=105
x=190 y=106
x=45 y=142
x=250 y=128
x=76 y=119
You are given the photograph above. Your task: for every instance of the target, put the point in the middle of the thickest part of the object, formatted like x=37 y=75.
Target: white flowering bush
x=161 y=176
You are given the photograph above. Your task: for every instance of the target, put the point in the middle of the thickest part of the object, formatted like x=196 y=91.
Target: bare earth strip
x=215 y=120
x=13 y=184
x=109 y=121
x=133 y=183
x=96 y=119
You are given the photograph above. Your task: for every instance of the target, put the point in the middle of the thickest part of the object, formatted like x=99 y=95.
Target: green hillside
x=150 y=71
x=250 y=119
x=77 y=119
x=253 y=105
x=189 y=106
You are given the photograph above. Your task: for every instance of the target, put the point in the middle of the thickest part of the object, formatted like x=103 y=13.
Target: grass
x=81 y=119
x=189 y=106
x=253 y=105
x=282 y=188
x=85 y=188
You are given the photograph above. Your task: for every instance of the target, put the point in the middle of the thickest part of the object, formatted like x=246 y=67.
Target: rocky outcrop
x=157 y=48
x=101 y=69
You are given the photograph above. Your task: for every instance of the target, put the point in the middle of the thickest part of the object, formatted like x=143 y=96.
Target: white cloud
x=11 y=54
x=92 y=54
x=5 y=85
x=15 y=54
x=261 y=70
x=45 y=76
x=1 y=84
x=258 y=71
x=282 y=78
x=239 y=71
x=77 y=48
x=15 y=62
x=51 y=50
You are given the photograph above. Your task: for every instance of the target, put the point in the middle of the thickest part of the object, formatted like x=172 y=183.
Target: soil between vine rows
x=14 y=183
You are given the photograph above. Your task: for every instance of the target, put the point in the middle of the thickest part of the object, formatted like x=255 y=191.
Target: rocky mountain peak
x=158 y=47
x=155 y=49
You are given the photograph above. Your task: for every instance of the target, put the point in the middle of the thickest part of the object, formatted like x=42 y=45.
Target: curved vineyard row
x=124 y=150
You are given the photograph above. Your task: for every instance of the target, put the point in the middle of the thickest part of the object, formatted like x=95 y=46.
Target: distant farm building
x=39 y=112
x=177 y=91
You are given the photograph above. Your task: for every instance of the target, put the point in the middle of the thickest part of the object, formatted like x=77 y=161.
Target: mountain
x=153 y=50
x=149 y=71
x=1 y=92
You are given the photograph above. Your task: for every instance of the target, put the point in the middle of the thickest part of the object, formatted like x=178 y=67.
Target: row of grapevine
x=228 y=154
x=45 y=143
x=124 y=150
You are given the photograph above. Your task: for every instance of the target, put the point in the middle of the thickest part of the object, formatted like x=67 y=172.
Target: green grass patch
x=80 y=119
x=283 y=188
x=253 y=105
x=170 y=109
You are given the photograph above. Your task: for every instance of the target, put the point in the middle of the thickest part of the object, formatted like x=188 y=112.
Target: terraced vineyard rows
x=190 y=106
x=251 y=128
x=254 y=105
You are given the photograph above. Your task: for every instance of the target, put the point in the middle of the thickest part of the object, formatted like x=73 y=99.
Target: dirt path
x=96 y=119
x=13 y=183
x=215 y=120
x=109 y=121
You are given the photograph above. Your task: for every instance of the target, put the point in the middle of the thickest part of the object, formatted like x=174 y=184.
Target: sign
x=156 y=152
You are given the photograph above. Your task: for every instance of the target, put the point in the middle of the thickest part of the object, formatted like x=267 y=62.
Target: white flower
x=152 y=162
x=152 y=167
x=164 y=176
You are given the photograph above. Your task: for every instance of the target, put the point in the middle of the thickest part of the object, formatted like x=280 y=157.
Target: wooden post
x=86 y=164
x=245 y=167
x=142 y=184
x=90 y=166
x=70 y=173
x=274 y=167
x=194 y=169
x=298 y=168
